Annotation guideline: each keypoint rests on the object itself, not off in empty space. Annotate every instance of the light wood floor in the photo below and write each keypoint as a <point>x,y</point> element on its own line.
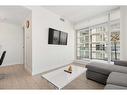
<point>15,77</point>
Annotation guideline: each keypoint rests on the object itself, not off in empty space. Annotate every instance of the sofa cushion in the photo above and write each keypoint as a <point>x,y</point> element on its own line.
<point>105,68</point>
<point>117,79</point>
<point>98,67</point>
<point>111,86</point>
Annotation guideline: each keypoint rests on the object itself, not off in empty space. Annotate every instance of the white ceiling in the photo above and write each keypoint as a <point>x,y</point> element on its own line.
<point>13,14</point>
<point>76,14</point>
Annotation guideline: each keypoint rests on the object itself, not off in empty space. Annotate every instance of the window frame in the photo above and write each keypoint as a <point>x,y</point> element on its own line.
<point>109,51</point>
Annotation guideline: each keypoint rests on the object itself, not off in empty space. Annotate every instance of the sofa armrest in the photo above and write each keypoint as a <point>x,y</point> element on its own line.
<point>117,78</point>
<point>121,63</point>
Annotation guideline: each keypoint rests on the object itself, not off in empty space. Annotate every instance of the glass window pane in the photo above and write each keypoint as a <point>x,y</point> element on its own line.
<point>98,42</point>
<point>115,40</point>
<point>83,43</point>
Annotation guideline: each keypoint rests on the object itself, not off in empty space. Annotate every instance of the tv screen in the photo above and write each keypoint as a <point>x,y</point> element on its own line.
<point>53,36</point>
<point>57,37</point>
<point>63,38</point>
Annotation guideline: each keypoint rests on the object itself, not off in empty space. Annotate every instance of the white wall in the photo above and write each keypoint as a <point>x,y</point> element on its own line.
<point>123,33</point>
<point>90,22</point>
<point>45,56</point>
<point>98,19</point>
<point>11,40</point>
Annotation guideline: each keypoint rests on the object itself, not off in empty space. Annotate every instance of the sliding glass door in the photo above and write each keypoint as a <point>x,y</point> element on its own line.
<point>83,43</point>
<point>98,36</point>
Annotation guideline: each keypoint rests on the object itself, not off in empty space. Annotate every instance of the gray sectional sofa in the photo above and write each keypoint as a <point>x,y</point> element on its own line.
<point>113,75</point>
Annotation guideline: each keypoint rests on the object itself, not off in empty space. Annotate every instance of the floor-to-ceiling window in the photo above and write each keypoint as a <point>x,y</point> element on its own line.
<point>100,41</point>
<point>83,47</point>
<point>115,40</point>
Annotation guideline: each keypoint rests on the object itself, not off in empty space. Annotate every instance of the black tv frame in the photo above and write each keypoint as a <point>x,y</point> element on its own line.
<point>57,37</point>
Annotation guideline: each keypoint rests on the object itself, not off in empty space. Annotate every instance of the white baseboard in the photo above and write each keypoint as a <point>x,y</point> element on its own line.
<point>82,61</point>
<point>86,61</point>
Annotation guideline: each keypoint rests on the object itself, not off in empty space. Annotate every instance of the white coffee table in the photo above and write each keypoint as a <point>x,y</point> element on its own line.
<point>59,78</point>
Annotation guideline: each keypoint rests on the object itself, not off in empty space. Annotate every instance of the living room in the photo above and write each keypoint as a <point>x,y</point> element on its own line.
<point>63,47</point>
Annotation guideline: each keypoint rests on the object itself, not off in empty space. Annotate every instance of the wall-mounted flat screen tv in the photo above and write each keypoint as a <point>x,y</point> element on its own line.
<point>63,38</point>
<point>57,37</point>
